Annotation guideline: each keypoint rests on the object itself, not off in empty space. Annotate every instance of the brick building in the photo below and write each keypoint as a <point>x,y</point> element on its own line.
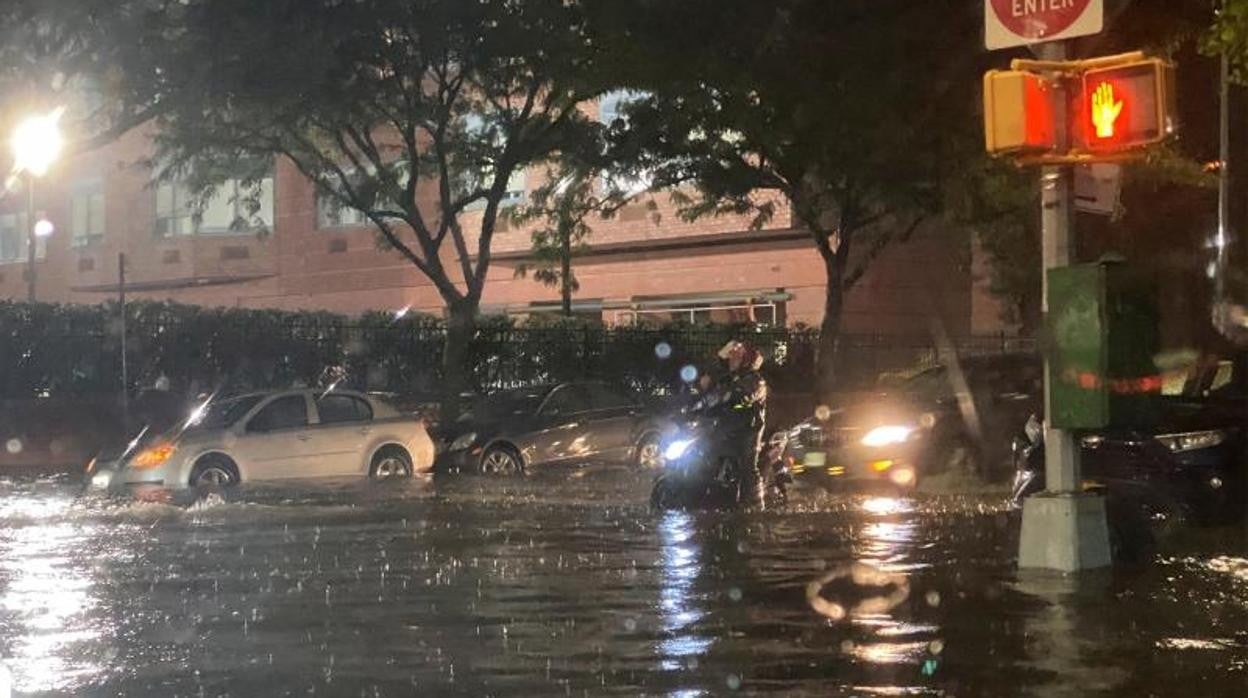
<point>641,263</point>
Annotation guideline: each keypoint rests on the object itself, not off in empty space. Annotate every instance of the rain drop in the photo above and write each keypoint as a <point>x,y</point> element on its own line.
<point>13,446</point>
<point>823,413</point>
<point>734,682</point>
<point>847,646</point>
<point>630,625</point>
<point>933,598</point>
<point>734,594</point>
<point>936,646</point>
<point>689,374</point>
<point>663,350</point>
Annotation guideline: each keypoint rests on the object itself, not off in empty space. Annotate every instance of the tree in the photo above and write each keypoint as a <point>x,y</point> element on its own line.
<point>563,212</point>
<point>847,109</point>
<point>581,189</point>
<point>1000,204</point>
<point>409,111</point>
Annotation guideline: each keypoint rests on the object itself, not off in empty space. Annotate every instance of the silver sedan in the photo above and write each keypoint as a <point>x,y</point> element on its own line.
<point>277,435</point>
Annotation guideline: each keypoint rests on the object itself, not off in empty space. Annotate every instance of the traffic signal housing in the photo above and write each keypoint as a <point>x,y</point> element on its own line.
<point>1018,113</point>
<point>1125,107</point>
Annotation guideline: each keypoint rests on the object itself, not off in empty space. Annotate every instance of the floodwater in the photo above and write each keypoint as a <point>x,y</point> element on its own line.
<point>566,584</point>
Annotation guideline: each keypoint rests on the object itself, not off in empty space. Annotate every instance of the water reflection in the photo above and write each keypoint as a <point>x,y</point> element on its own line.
<point>872,596</point>
<point>887,543</point>
<point>564,586</point>
<point>680,567</point>
<point>47,597</point>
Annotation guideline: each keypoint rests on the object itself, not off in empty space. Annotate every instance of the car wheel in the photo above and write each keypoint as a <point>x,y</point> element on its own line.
<point>390,463</point>
<point>214,471</point>
<point>649,453</point>
<point>501,461</point>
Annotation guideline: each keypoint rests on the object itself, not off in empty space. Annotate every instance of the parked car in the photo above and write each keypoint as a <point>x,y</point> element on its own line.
<point>1193,460</point>
<point>274,435</point>
<point>511,431</point>
<point>926,425</point>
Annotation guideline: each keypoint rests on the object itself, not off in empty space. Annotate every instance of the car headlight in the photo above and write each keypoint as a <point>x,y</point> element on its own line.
<point>887,435</point>
<point>102,480</point>
<point>464,441</point>
<point>676,449</point>
<point>1192,441</point>
<point>153,456</point>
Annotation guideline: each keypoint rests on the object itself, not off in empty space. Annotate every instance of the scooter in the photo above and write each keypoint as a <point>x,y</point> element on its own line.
<point>1130,516</point>
<point>1028,456</point>
<point>701,471</point>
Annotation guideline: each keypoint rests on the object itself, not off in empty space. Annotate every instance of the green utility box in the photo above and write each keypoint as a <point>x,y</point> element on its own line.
<point>1103,337</point>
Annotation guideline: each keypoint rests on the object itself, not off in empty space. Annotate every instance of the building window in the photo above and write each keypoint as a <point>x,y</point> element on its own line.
<point>611,113</point>
<point>482,176</point>
<point>225,212</point>
<point>86,204</point>
<point>332,214</point>
<point>14,237</point>
<point>173,210</point>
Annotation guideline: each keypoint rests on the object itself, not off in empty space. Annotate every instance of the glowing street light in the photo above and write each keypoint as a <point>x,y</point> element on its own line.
<point>36,143</point>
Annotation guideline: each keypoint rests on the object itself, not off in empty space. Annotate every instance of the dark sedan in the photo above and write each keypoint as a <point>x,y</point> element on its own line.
<point>944,420</point>
<point>511,431</point>
<point>1193,461</point>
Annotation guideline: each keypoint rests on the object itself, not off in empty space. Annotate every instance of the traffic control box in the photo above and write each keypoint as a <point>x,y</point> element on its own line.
<point>1018,112</point>
<point>1103,338</point>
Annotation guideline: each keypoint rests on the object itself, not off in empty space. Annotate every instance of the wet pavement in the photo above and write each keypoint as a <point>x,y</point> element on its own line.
<point>566,584</point>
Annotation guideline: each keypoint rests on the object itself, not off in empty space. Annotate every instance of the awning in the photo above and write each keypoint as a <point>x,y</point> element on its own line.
<point>170,284</point>
<point>785,237</point>
<point>709,298</point>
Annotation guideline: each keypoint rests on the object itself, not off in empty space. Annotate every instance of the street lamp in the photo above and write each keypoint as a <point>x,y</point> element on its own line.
<point>36,143</point>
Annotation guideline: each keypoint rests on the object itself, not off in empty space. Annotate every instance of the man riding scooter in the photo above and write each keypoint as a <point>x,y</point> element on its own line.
<point>743,392</point>
<point>727,421</point>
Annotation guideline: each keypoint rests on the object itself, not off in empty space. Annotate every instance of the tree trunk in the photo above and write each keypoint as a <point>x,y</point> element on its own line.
<point>565,269</point>
<point>456,371</point>
<point>830,330</point>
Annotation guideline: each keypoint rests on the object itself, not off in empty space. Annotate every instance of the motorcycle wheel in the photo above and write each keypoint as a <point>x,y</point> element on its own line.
<point>663,496</point>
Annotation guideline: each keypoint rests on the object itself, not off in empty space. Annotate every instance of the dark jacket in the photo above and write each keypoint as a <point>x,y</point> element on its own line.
<point>739,399</point>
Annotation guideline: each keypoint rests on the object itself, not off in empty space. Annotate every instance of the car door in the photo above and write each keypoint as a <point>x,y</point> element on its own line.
<point>342,433</point>
<point>561,425</point>
<point>611,421</point>
<point>276,441</point>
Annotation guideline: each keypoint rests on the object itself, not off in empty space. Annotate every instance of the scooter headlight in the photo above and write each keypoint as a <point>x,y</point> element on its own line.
<point>676,449</point>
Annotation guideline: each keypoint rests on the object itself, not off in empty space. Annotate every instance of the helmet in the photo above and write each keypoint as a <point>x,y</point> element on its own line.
<point>749,355</point>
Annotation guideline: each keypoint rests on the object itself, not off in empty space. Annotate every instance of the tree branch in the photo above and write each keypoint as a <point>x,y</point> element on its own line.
<point>115,131</point>
<point>877,247</point>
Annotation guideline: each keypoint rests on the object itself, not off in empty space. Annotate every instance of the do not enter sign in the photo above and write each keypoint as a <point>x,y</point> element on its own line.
<point>1017,22</point>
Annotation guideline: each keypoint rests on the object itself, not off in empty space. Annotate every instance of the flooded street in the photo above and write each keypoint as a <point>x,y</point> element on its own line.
<point>564,584</point>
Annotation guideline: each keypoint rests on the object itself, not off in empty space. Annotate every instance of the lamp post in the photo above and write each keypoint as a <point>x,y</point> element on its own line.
<point>36,144</point>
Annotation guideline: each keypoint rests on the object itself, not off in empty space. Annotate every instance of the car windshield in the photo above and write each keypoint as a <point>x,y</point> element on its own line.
<point>219,414</point>
<point>508,403</point>
<point>931,384</point>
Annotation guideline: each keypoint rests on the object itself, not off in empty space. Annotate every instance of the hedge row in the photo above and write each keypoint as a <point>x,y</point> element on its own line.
<point>75,350</point>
